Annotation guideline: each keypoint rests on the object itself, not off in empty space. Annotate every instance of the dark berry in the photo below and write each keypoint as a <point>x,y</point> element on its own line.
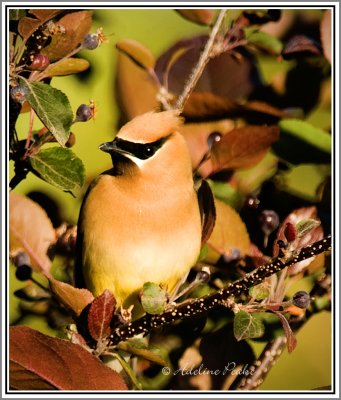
<point>269,221</point>
<point>83,113</point>
<point>251,202</point>
<point>280,244</point>
<point>90,41</point>
<point>290,232</point>
<point>203,276</point>
<point>39,62</point>
<point>23,272</point>
<point>213,138</point>
<point>301,299</point>
<point>18,93</point>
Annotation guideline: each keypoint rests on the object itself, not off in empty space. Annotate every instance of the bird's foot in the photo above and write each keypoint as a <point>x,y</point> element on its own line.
<point>203,276</point>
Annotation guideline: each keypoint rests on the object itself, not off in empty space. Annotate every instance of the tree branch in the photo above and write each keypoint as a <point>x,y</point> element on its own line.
<point>220,298</point>
<point>203,60</point>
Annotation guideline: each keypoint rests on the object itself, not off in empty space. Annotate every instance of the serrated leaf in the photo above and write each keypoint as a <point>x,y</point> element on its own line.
<point>153,298</point>
<point>139,349</point>
<point>245,326</point>
<point>59,167</point>
<point>52,107</point>
<point>265,41</point>
<point>41,362</point>
<point>137,52</point>
<point>30,230</point>
<point>68,66</point>
<point>199,16</point>
<point>100,315</point>
<point>72,298</point>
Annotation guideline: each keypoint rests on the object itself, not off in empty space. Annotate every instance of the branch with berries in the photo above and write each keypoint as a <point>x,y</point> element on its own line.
<point>222,297</point>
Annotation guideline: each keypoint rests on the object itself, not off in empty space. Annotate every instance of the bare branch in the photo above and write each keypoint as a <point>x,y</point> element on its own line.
<point>203,60</point>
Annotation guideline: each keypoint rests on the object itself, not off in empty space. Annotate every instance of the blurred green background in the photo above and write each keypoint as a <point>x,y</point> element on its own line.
<point>309,366</point>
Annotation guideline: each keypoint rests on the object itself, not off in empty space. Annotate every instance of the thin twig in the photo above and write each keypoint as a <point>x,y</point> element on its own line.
<point>203,60</point>
<point>274,349</point>
<point>220,298</point>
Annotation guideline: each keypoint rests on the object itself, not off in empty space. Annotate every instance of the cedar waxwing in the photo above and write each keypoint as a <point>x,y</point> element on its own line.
<point>141,220</point>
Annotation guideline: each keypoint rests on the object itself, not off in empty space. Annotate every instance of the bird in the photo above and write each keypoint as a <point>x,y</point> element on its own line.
<point>142,220</point>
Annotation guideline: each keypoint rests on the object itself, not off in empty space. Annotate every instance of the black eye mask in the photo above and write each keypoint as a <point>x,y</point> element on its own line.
<point>140,150</point>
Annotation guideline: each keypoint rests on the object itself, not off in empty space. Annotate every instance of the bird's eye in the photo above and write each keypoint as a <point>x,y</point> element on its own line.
<point>148,151</point>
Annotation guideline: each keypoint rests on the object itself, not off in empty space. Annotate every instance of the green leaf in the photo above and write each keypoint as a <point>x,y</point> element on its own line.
<point>59,167</point>
<point>301,142</point>
<point>52,107</point>
<point>304,180</point>
<point>259,292</point>
<point>245,326</point>
<point>264,41</point>
<point>305,226</point>
<point>307,132</point>
<point>139,349</point>
<point>16,14</point>
<point>153,298</point>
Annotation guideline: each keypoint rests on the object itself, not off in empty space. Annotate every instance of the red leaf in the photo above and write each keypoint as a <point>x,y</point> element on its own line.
<point>40,362</point>
<point>100,314</point>
<point>289,334</point>
<point>28,25</point>
<point>301,45</point>
<point>243,147</point>
<point>72,298</point>
<point>313,236</point>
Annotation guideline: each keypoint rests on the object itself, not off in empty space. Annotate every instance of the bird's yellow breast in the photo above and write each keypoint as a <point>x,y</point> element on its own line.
<point>135,234</point>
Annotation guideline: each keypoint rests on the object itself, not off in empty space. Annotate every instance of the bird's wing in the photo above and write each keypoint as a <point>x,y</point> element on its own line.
<point>207,210</point>
<point>78,270</point>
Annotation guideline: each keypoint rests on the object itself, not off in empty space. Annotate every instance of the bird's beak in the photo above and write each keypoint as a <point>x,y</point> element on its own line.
<point>111,147</point>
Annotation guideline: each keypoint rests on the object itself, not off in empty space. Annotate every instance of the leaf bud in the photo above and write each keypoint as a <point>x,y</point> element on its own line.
<point>290,232</point>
